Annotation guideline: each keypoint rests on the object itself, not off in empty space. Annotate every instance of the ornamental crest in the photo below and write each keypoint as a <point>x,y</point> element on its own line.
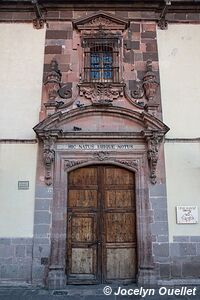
<point>101,93</point>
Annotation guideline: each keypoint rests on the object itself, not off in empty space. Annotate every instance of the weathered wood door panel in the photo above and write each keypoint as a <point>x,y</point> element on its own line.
<point>101,229</point>
<point>83,224</point>
<point>119,244</point>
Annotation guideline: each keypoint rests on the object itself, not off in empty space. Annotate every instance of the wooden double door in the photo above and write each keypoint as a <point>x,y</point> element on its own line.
<point>101,225</point>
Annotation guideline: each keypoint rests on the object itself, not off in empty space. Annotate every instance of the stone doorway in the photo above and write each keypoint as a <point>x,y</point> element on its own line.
<point>101,225</point>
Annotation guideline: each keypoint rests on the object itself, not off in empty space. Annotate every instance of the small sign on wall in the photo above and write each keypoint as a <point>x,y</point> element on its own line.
<point>23,185</point>
<point>187,214</point>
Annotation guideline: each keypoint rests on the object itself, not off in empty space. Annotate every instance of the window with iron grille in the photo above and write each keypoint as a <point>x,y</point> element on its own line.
<point>101,59</point>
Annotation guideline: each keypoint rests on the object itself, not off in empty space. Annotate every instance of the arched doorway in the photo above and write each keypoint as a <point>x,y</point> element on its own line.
<point>101,225</point>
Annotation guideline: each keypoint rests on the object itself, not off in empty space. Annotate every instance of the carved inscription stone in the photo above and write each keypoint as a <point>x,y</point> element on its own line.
<point>95,147</point>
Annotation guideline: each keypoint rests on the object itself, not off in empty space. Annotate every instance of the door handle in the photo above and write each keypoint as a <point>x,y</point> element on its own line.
<point>94,243</point>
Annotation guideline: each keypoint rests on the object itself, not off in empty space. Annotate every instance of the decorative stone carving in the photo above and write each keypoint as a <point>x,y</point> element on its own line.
<point>38,23</point>
<point>100,20</point>
<point>102,155</point>
<point>53,80</point>
<point>64,92</point>
<point>72,163</point>
<point>101,93</point>
<point>150,84</point>
<point>154,139</point>
<point>48,156</point>
<point>162,22</point>
<point>130,163</point>
<point>54,85</point>
<point>139,92</point>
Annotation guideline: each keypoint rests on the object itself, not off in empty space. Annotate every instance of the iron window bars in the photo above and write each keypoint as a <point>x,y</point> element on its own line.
<point>101,59</point>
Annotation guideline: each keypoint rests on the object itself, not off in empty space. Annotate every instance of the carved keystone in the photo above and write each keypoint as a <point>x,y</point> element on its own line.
<point>102,155</point>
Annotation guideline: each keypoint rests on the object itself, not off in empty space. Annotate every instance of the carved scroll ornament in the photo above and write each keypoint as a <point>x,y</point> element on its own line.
<point>130,163</point>
<point>72,163</point>
<point>101,21</point>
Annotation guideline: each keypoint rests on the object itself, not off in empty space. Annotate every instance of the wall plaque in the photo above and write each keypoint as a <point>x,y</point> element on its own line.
<point>95,147</point>
<point>187,214</point>
<point>23,185</point>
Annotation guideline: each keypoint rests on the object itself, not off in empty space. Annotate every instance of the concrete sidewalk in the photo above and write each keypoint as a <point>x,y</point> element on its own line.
<point>96,292</point>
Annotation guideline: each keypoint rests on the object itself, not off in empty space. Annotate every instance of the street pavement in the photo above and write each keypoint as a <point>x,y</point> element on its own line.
<point>28,292</point>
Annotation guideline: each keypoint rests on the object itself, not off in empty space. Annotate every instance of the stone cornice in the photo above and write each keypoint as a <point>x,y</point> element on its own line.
<point>146,5</point>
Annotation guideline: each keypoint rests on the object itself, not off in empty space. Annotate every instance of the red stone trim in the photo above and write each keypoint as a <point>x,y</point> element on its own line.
<point>62,14</point>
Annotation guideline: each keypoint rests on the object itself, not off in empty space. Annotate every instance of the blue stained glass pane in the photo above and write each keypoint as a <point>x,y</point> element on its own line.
<point>95,66</point>
<point>107,58</point>
<point>95,58</point>
<point>107,75</point>
<point>95,75</point>
<point>101,65</point>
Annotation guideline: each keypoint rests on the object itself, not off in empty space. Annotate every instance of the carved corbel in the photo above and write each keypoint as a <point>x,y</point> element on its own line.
<point>39,21</point>
<point>162,22</point>
<point>49,156</point>
<point>154,141</point>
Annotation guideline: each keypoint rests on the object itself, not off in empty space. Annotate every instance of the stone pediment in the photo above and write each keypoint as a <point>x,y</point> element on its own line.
<point>100,120</point>
<point>100,20</point>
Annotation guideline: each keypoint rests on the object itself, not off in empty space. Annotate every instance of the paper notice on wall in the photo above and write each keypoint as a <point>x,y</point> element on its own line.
<point>187,214</point>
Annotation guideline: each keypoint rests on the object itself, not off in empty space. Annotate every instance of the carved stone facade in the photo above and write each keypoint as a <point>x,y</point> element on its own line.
<point>85,122</point>
<point>101,124</point>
